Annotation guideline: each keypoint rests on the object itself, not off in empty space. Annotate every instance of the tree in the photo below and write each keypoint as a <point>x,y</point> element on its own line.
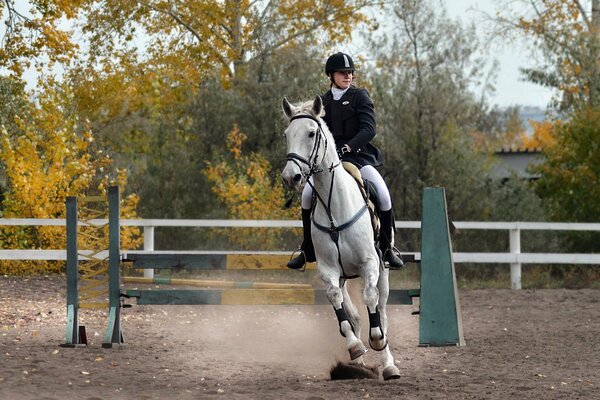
<point>204,34</point>
<point>567,32</point>
<point>426,109</point>
<point>13,101</point>
<point>500,128</point>
<point>434,130</point>
<point>35,35</point>
<point>543,135</point>
<point>49,155</point>
<point>243,184</point>
<point>570,174</point>
<point>164,135</point>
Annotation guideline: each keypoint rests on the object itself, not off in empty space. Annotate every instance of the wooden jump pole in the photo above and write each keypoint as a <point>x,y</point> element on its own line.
<point>215,284</point>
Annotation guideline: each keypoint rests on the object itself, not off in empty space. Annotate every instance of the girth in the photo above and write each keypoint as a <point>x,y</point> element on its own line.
<point>334,231</point>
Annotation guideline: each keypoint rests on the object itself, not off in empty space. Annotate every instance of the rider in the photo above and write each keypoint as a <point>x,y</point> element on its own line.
<point>350,116</point>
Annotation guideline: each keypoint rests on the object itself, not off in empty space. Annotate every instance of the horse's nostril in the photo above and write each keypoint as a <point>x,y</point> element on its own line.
<point>297,177</point>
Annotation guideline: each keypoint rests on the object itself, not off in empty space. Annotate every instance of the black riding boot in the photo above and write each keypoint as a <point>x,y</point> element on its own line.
<point>385,239</point>
<point>307,250</point>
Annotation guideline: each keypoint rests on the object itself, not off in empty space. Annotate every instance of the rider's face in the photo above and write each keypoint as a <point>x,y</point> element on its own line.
<point>342,79</point>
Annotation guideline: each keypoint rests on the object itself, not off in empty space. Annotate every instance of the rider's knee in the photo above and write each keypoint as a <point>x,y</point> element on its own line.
<point>307,195</point>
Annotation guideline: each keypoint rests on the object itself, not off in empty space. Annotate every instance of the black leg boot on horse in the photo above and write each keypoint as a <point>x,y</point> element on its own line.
<point>307,250</point>
<point>386,244</point>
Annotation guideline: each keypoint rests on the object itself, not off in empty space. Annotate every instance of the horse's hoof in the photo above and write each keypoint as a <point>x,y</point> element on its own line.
<point>357,350</point>
<point>391,372</point>
<point>374,344</point>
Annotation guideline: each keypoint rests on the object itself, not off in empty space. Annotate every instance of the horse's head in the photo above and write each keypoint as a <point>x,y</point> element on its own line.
<point>306,142</point>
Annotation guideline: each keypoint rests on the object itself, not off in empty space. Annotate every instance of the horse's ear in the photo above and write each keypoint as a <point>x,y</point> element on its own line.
<point>317,107</point>
<point>288,109</point>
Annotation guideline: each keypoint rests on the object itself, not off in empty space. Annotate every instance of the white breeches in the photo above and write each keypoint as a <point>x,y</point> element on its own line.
<point>369,173</point>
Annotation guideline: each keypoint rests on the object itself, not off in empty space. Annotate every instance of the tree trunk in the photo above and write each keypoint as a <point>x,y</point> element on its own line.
<point>596,34</point>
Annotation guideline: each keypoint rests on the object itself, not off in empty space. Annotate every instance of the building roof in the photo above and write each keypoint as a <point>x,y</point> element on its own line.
<point>518,150</point>
<point>510,162</point>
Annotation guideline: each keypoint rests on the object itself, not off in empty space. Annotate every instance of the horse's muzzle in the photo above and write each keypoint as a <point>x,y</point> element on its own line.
<point>293,177</point>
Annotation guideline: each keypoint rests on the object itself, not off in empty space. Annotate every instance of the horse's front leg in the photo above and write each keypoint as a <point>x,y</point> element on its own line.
<point>355,346</point>
<point>377,337</point>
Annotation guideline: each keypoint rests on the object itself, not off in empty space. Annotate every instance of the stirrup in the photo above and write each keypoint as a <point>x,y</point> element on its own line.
<point>394,252</point>
<point>292,258</point>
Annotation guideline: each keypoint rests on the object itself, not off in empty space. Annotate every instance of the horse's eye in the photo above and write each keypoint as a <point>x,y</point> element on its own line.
<point>311,134</point>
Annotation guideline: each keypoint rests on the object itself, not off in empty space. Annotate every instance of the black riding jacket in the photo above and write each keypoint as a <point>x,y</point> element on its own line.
<point>351,120</point>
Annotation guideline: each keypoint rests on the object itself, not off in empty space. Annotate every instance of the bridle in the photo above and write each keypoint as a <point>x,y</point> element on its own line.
<point>311,162</point>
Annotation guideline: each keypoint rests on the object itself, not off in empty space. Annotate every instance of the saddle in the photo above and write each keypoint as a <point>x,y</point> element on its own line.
<point>369,193</point>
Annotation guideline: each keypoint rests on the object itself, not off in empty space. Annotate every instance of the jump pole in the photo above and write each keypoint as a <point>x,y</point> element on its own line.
<point>204,283</point>
<point>440,322</point>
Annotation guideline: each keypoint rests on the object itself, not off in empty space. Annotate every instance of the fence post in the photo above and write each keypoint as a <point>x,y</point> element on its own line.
<point>148,246</point>
<point>515,268</point>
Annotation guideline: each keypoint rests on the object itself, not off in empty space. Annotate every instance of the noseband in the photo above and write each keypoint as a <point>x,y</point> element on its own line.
<point>311,162</point>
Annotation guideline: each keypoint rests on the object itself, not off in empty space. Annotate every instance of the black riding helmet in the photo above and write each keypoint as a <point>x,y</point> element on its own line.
<point>339,62</point>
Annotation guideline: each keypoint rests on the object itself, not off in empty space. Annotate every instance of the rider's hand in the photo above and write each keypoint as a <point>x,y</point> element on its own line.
<point>343,150</point>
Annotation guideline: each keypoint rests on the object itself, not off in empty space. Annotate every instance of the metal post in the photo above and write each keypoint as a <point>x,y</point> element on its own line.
<point>515,268</point>
<point>113,332</point>
<point>148,246</point>
<point>73,337</point>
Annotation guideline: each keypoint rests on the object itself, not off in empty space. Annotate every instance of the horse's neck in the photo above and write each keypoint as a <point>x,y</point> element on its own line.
<point>322,180</point>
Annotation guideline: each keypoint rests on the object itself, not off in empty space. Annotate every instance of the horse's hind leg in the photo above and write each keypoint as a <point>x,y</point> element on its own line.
<point>390,371</point>
<point>334,293</point>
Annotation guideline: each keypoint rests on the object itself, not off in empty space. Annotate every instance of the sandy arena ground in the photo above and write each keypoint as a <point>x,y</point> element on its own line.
<point>542,344</point>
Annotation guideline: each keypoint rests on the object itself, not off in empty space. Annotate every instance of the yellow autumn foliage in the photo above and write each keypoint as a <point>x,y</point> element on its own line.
<point>50,156</point>
<point>243,184</point>
<point>543,135</point>
<point>33,32</point>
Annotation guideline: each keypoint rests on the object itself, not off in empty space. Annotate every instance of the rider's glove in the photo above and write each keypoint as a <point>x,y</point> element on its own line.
<point>343,150</point>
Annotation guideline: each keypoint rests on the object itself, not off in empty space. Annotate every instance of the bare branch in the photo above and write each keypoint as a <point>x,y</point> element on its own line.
<point>191,30</point>
<point>584,15</point>
<point>315,25</point>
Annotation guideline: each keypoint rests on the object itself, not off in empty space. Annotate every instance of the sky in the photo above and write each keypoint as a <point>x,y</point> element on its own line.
<point>510,87</point>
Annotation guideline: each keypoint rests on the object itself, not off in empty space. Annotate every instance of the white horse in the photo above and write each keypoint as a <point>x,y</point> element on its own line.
<point>343,239</point>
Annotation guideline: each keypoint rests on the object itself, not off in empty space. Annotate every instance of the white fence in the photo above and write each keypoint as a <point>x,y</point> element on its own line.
<point>514,257</point>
